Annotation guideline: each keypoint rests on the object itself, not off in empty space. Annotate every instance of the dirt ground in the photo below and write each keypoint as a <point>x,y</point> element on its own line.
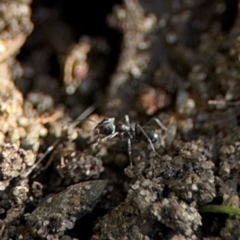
<point>177,61</point>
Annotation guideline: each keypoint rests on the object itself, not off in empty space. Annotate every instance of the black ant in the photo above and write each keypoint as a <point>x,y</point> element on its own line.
<point>109,129</point>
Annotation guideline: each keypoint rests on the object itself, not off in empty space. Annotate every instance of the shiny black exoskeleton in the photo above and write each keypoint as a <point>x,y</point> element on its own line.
<point>108,129</point>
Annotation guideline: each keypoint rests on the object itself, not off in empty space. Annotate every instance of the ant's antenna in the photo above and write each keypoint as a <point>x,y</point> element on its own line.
<point>80,118</point>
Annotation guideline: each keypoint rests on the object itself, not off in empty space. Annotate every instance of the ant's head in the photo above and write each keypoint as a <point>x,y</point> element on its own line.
<point>106,127</point>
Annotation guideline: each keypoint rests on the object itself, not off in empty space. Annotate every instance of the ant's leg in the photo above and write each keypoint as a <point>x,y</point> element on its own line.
<point>130,151</point>
<point>148,139</point>
<point>127,121</point>
<point>159,123</point>
<point>100,140</point>
<point>162,126</point>
<point>109,137</point>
